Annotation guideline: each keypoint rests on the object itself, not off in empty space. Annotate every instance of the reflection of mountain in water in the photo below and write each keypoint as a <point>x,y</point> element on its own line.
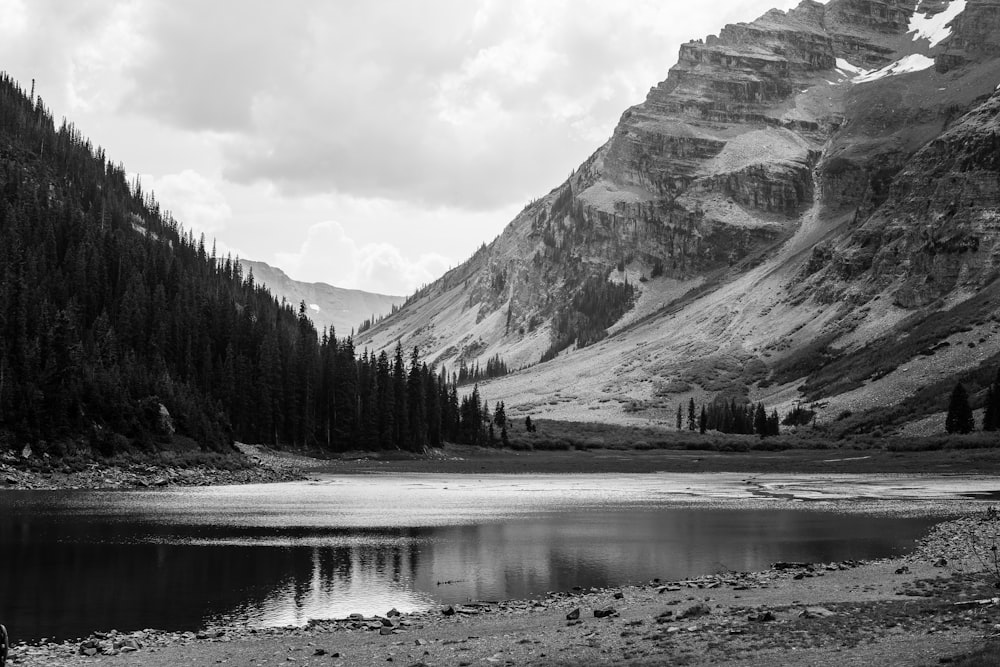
<point>67,572</point>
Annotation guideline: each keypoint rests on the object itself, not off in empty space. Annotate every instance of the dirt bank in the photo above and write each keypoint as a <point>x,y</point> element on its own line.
<point>256,465</point>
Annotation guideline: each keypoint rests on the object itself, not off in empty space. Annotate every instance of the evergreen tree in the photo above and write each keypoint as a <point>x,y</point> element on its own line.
<point>990,414</point>
<point>417,405</point>
<point>692,416</point>
<point>401,415</point>
<point>960,418</point>
<point>679,416</point>
<point>760,421</point>
<point>528,426</point>
<point>703,420</point>
<point>500,415</point>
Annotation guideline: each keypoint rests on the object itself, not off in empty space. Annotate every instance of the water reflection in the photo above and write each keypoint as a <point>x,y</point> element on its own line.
<point>282,554</point>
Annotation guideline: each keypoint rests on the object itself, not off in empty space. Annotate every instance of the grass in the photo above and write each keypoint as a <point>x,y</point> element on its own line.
<point>552,435</point>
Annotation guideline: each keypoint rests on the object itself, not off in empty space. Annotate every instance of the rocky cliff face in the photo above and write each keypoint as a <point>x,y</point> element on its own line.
<point>785,174</point>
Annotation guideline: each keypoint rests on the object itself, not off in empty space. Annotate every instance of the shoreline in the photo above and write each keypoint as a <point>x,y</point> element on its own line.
<point>265,465</point>
<point>911,609</point>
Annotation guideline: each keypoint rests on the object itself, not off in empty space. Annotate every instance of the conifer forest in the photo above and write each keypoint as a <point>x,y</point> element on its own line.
<point>122,332</point>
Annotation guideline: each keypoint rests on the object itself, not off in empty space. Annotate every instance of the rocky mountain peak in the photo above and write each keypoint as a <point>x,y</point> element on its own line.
<point>785,171</point>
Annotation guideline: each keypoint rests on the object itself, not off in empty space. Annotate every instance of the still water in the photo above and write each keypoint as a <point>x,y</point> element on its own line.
<point>279,554</point>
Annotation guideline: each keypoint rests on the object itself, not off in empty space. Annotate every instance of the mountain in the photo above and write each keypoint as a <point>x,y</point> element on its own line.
<point>805,210</point>
<point>329,306</point>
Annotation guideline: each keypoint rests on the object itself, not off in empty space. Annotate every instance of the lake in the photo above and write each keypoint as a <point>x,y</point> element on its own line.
<point>279,554</point>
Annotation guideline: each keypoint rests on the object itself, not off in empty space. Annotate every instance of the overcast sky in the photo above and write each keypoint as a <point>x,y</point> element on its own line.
<point>366,144</point>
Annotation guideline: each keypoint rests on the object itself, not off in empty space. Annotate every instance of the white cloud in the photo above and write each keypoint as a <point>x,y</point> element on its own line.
<point>194,200</point>
<point>444,103</point>
<point>13,18</point>
<point>95,75</point>
<point>329,255</point>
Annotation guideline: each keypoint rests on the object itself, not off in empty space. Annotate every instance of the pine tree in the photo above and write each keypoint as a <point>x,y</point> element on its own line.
<point>703,420</point>
<point>417,404</point>
<point>760,421</point>
<point>990,414</point>
<point>528,426</point>
<point>959,419</point>
<point>692,416</point>
<point>679,416</point>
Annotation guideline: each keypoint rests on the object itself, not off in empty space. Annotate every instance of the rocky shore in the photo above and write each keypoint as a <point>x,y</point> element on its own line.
<point>258,465</point>
<point>937,603</point>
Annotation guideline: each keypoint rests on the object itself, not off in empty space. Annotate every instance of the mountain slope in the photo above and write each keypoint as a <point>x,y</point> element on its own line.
<point>329,306</point>
<point>766,204</point>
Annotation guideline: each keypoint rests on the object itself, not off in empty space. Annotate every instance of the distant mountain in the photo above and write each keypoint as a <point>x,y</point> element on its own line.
<point>343,309</point>
<point>805,210</point>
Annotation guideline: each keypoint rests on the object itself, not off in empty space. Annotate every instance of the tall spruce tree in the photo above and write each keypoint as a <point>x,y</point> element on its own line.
<point>959,419</point>
<point>417,404</point>
<point>760,421</point>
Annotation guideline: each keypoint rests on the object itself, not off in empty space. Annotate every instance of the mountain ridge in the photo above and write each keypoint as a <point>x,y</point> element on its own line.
<point>752,168</point>
<point>328,306</point>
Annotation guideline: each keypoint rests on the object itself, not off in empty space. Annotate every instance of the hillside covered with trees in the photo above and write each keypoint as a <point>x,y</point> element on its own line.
<point>122,332</point>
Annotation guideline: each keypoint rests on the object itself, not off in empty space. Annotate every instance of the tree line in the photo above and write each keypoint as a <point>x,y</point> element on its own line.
<point>960,417</point>
<point>120,331</point>
<point>495,367</point>
<point>729,417</point>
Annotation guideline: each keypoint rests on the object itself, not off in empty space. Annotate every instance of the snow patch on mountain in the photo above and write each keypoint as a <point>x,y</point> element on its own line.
<point>935,27</point>
<point>914,62</point>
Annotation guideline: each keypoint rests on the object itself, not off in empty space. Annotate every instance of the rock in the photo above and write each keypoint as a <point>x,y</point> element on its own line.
<point>573,615</point>
<point>816,612</point>
<point>604,613</point>
<point>10,479</point>
<point>761,616</point>
<point>319,651</point>
<point>619,595</point>
<point>386,630</point>
<point>448,611</point>
<point>941,562</point>
<point>393,612</point>
<point>694,611</point>
<point>903,570</point>
<point>386,622</point>
<point>89,652</point>
<point>26,452</point>
<point>783,565</point>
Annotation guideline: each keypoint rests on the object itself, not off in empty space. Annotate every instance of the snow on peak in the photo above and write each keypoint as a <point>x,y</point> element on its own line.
<point>935,27</point>
<point>911,63</point>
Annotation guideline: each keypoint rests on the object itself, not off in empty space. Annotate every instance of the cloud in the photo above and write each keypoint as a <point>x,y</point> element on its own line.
<point>454,103</point>
<point>329,255</point>
<point>13,18</point>
<point>193,200</point>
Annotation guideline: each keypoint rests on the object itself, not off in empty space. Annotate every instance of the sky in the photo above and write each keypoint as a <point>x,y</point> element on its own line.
<point>370,145</point>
